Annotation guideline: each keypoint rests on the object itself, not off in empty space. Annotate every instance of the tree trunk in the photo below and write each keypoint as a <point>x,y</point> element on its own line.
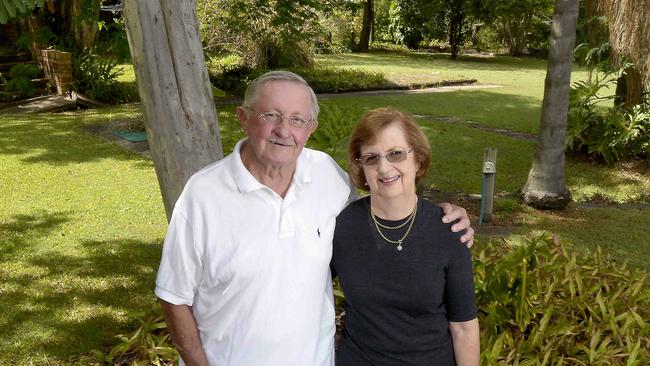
<point>629,89</point>
<point>545,187</point>
<point>366,28</point>
<point>456,20</point>
<point>179,112</point>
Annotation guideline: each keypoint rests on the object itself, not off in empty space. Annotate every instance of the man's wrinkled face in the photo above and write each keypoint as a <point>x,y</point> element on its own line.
<point>277,144</point>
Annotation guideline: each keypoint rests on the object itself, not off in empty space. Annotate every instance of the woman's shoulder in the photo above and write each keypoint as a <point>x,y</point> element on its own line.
<point>356,208</point>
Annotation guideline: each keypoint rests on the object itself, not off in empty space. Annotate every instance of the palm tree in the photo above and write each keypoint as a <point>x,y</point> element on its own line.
<point>629,36</point>
<point>545,187</point>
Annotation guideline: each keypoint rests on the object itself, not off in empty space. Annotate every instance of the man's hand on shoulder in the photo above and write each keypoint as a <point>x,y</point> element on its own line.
<point>453,212</point>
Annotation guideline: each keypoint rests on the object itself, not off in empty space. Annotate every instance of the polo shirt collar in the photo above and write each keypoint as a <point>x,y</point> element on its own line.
<point>246,182</point>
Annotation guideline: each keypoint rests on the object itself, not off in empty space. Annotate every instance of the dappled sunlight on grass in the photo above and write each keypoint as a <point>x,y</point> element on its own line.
<point>81,225</point>
<point>617,183</point>
<point>622,233</point>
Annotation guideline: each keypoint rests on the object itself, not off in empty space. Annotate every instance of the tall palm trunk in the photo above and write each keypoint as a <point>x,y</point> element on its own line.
<point>545,187</point>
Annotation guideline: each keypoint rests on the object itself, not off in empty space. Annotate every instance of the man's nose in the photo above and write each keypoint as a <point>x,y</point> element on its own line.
<point>282,128</point>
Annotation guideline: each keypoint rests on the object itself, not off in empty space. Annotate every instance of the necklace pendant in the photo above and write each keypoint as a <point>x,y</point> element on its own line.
<point>399,245</point>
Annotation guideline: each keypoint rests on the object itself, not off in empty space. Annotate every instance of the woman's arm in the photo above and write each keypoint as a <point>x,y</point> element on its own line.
<point>465,336</point>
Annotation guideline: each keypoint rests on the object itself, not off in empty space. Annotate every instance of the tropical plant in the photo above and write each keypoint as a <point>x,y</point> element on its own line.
<point>539,304</point>
<point>96,76</point>
<point>605,134</point>
<point>150,343</point>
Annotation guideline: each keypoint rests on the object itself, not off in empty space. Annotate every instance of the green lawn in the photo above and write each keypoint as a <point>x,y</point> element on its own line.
<point>80,229</point>
<point>81,220</point>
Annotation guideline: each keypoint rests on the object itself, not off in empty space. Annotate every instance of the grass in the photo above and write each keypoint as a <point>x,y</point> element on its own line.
<point>81,220</point>
<point>80,235</point>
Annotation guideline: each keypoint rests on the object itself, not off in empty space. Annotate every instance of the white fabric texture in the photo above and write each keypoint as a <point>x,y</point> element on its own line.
<point>255,267</point>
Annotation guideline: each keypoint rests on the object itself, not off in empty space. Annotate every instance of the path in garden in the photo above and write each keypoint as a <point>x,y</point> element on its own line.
<point>499,228</point>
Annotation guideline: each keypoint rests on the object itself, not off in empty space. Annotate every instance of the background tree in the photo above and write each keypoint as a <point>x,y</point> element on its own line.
<point>264,33</point>
<point>545,187</point>
<point>366,26</point>
<point>629,36</point>
<point>516,19</point>
<point>179,112</point>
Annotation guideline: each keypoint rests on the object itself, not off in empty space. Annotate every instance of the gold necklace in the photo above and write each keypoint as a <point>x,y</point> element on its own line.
<point>410,220</point>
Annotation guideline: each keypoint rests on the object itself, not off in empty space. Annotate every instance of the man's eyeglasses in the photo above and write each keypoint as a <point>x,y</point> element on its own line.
<point>294,121</point>
<point>393,156</point>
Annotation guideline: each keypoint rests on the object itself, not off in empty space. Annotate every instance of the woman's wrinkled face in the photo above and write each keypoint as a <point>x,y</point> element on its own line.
<point>387,179</point>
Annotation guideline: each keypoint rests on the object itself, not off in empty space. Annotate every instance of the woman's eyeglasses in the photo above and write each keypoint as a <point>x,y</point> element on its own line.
<point>392,156</point>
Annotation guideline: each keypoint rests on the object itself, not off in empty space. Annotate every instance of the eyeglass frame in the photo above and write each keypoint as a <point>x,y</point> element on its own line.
<point>384,155</point>
<point>265,115</point>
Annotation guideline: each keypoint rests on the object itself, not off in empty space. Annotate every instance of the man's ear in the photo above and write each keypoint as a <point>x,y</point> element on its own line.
<point>242,115</point>
<point>312,127</point>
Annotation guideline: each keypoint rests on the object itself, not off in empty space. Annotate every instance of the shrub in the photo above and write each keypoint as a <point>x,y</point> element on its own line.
<point>538,304</point>
<point>322,78</point>
<point>96,76</point>
<point>221,64</point>
<point>330,79</point>
<point>20,80</point>
<point>606,134</point>
<point>235,80</point>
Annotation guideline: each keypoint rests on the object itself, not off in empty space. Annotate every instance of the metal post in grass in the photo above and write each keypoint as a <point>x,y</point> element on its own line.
<point>487,188</point>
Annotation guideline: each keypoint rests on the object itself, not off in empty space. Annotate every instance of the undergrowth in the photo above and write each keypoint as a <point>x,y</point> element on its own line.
<point>539,304</point>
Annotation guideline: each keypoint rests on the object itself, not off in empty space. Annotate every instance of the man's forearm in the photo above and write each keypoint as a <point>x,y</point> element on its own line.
<point>184,333</point>
<point>465,336</point>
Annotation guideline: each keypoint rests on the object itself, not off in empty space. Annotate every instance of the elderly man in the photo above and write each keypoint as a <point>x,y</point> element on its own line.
<point>244,277</point>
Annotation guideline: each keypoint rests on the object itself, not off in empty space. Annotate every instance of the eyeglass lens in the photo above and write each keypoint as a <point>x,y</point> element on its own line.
<point>393,156</point>
<point>277,118</point>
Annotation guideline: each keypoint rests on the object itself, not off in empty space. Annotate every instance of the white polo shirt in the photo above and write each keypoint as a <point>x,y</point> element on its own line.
<point>255,267</point>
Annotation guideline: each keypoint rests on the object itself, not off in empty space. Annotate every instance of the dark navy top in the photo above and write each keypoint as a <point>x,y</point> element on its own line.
<point>398,303</point>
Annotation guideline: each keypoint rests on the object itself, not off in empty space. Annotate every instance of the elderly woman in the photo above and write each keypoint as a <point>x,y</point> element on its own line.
<point>409,292</point>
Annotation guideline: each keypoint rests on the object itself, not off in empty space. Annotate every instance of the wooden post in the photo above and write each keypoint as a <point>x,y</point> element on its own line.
<point>180,116</point>
<point>487,193</point>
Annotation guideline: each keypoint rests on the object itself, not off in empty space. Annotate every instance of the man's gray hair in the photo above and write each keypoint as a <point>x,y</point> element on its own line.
<point>253,90</point>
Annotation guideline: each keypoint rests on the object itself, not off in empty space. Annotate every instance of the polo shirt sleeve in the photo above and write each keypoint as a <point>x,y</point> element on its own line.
<point>180,266</point>
<point>459,285</point>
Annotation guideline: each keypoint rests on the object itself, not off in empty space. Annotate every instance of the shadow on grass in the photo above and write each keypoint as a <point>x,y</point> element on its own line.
<point>57,139</point>
<point>23,230</point>
<point>77,303</point>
